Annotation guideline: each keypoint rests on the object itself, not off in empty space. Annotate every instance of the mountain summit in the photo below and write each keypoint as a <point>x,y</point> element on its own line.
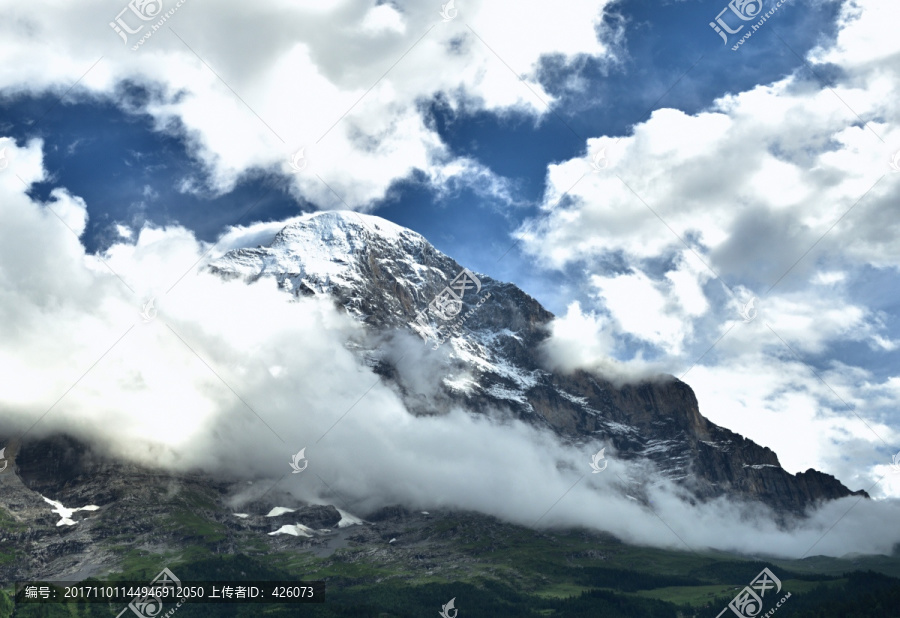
<point>392,279</point>
<point>68,507</point>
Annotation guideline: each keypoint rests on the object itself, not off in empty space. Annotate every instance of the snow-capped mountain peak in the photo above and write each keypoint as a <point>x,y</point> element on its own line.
<point>388,276</point>
<point>319,248</point>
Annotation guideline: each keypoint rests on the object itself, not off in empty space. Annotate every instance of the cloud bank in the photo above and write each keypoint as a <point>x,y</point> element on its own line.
<point>233,379</point>
<point>248,86</point>
<point>785,195</point>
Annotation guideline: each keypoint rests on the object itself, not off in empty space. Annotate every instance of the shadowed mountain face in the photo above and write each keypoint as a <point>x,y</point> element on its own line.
<point>70,511</point>
<point>488,336</point>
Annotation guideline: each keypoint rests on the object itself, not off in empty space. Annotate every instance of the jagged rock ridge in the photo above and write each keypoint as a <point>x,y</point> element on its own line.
<point>386,275</point>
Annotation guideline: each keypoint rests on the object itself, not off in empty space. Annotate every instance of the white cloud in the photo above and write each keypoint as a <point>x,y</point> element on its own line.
<point>589,341</point>
<point>829,277</point>
<point>655,311</point>
<point>866,41</point>
<point>778,403</point>
<point>124,231</point>
<point>885,344</point>
<point>639,308</point>
<point>345,80</point>
<point>750,185</point>
<point>383,18</point>
<point>235,378</point>
<point>163,395</point>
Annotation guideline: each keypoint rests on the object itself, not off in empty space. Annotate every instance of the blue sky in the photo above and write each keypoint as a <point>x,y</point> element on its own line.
<point>109,153</point>
<point>725,168</point>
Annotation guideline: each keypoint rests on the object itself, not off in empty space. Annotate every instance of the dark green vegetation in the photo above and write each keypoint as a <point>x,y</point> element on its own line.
<point>859,594</point>
<point>492,569</point>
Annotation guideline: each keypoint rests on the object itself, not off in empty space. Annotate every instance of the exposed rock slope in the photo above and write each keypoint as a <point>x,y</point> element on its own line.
<point>386,276</point>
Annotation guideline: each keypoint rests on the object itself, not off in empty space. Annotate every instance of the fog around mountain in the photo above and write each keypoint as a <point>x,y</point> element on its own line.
<point>233,379</point>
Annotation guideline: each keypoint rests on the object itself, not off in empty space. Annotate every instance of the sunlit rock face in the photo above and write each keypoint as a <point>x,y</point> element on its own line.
<point>389,277</point>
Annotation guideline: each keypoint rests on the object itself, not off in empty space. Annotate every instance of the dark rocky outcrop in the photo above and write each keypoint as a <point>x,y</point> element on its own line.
<point>388,276</point>
<point>385,277</point>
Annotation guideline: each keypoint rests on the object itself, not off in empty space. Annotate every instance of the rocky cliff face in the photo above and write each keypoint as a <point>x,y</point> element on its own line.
<point>146,517</point>
<point>386,277</point>
<point>392,279</point>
